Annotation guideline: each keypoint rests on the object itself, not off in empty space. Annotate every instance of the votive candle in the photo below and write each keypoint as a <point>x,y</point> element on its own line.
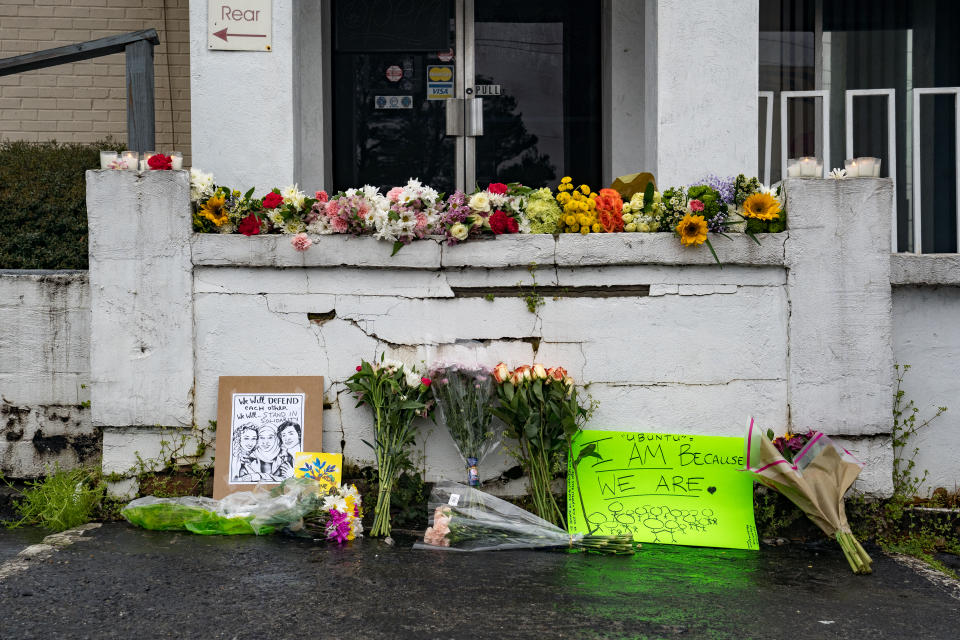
<point>793,168</point>
<point>130,158</point>
<point>106,157</point>
<point>176,161</point>
<point>852,167</point>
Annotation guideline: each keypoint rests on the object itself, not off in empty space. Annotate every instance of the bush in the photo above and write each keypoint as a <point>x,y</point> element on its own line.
<point>61,501</point>
<point>43,204</point>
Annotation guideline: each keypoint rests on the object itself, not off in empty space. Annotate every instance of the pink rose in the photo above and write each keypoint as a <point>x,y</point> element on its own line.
<point>394,194</point>
<point>301,242</point>
<point>695,205</point>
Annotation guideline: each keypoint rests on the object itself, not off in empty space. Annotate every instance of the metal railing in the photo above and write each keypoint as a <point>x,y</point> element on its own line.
<point>138,49</point>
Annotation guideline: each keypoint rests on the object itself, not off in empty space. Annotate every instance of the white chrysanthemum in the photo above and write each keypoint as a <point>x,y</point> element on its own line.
<point>497,200</point>
<point>201,184</point>
<point>413,184</point>
<point>294,227</point>
<point>427,194</point>
<point>391,365</point>
<point>480,201</point>
<point>319,227</point>
<point>227,228</point>
<point>293,195</point>
<point>276,217</point>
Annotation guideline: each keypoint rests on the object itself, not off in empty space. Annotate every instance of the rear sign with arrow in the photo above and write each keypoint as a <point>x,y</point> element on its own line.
<point>239,25</point>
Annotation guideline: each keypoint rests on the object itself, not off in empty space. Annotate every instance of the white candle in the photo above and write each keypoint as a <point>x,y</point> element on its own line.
<point>130,159</point>
<point>819,172</point>
<point>852,167</point>
<point>876,167</point>
<point>866,167</point>
<point>808,167</point>
<point>176,160</point>
<point>106,157</point>
<point>793,168</point>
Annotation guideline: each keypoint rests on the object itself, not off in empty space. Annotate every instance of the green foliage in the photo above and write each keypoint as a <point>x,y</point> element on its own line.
<point>532,297</point>
<point>905,483</point>
<point>62,500</point>
<point>178,469</point>
<point>43,204</point>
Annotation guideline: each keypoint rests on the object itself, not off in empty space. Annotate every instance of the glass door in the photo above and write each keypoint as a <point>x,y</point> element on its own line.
<point>461,93</point>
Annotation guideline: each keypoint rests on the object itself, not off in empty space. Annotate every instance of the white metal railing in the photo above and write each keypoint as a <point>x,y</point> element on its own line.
<point>891,158</point>
<point>767,97</point>
<point>917,218</point>
<point>824,96</point>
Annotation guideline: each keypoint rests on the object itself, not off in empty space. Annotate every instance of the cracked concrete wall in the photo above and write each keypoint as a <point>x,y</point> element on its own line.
<point>44,372</point>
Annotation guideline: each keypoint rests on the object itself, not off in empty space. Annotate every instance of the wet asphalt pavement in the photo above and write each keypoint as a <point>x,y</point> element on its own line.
<point>128,583</point>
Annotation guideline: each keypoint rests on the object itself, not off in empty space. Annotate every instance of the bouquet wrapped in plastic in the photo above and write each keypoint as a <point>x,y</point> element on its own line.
<point>466,519</point>
<point>464,396</point>
<point>258,512</point>
<point>814,473</point>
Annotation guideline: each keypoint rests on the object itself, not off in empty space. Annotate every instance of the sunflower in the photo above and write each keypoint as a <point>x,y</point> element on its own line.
<point>692,230</point>
<point>761,206</point>
<point>214,211</point>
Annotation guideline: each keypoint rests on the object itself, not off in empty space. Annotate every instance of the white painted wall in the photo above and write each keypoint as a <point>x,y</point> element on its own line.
<point>242,105</point>
<point>44,372</point>
<point>707,78</point>
<point>926,336</point>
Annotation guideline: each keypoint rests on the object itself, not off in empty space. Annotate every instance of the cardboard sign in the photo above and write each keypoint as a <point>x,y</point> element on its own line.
<point>262,423</point>
<point>239,25</point>
<point>325,468</point>
<point>665,488</point>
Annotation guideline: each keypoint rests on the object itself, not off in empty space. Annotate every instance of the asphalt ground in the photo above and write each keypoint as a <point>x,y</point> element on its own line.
<point>124,582</point>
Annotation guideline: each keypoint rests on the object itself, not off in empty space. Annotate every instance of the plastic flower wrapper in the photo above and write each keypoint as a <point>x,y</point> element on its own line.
<point>815,480</point>
<point>337,519</point>
<point>464,395</point>
<point>258,512</point>
<point>466,519</point>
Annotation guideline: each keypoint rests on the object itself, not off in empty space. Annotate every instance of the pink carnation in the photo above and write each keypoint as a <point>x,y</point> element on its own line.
<point>363,210</point>
<point>339,224</point>
<point>421,221</point>
<point>322,196</point>
<point>695,205</point>
<point>394,194</point>
<point>332,208</point>
<point>301,242</point>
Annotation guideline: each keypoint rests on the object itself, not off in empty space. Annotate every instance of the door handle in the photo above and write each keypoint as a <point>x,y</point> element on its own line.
<point>473,116</point>
<point>454,116</point>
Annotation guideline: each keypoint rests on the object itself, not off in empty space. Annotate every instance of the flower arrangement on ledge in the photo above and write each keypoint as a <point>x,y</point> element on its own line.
<point>416,212</point>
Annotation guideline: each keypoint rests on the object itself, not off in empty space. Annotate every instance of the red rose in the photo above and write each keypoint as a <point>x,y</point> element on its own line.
<point>359,368</point>
<point>497,187</point>
<point>160,161</point>
<point>425,381</point>
<point>272,200</point>
<point>249,226</point>
<point>500,222</point>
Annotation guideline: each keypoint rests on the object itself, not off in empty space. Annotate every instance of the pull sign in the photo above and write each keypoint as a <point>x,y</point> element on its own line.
<point>488,89</point>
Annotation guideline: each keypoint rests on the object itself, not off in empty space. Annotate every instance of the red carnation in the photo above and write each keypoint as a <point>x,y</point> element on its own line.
<point>425,381</point>
<point>249,226</point>
<point>500,222</point>
<point>497,187</point>
<point>272,200</point>
<point>160,161</point>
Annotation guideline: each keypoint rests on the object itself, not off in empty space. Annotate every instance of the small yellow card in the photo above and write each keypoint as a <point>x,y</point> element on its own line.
<point>322,467</point>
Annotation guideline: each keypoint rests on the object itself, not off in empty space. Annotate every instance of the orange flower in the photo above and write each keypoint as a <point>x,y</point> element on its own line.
<point>610,210</point>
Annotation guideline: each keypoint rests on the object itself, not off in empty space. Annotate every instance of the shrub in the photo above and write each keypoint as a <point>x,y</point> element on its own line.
<point>43,204</point>
<point>61,501</point>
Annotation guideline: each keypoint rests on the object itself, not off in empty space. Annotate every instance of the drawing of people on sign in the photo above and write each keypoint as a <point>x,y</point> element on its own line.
<point>266,433</point>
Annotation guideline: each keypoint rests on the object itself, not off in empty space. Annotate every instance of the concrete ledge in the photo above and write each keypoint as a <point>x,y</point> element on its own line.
<point>930,269</point>
<point>569,250</point>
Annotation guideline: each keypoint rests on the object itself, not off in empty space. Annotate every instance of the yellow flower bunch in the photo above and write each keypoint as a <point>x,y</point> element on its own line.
<point>579,207</point>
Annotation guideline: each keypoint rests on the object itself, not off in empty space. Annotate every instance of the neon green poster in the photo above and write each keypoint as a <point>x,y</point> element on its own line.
<point>665,488</point>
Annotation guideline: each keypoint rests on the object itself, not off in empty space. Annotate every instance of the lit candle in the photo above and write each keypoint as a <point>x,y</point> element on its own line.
<point>876,167</point>
<point>793,168</point>
<point>176,160</point>
<point>130,159</point>
<point>808,167</point>
<point>853,169</point>
<point>866,167</point>
<point>106,157</point>
<point>145,160</point>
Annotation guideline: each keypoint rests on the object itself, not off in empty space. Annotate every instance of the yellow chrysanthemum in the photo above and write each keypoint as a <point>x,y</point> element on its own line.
<point>692,230</point>
<point>584,189</point>
<point>761,206</point>
<point>574,228</point>
<point>570,220</point>
<point>596,228</point>
<point>565,179</point>
<point>584,230</point>
<point>214,211</point>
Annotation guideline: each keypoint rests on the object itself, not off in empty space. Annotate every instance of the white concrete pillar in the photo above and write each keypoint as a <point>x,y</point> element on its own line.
<point>840,328</point>
<point>141,284</point>
<point>707,70</point>
<point>242,105</point>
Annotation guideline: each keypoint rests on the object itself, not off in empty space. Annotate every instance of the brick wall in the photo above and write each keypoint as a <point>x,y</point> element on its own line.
<point>86,101</point>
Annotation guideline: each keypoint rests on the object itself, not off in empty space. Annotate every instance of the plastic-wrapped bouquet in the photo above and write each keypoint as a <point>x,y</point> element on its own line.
<point>396,394</point>
<point>466,519</point>
<point>338,519</point>
<point>464,396</point>
<point>814,473</point>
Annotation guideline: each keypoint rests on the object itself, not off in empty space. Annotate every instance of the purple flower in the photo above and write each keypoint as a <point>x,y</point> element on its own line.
<point>796,443</point>
<point>723,185</point>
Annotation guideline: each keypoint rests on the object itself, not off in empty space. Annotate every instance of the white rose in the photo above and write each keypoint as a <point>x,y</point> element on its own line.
<point>412,379</point>
<point>459,231</point>
<point>480,202</point>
